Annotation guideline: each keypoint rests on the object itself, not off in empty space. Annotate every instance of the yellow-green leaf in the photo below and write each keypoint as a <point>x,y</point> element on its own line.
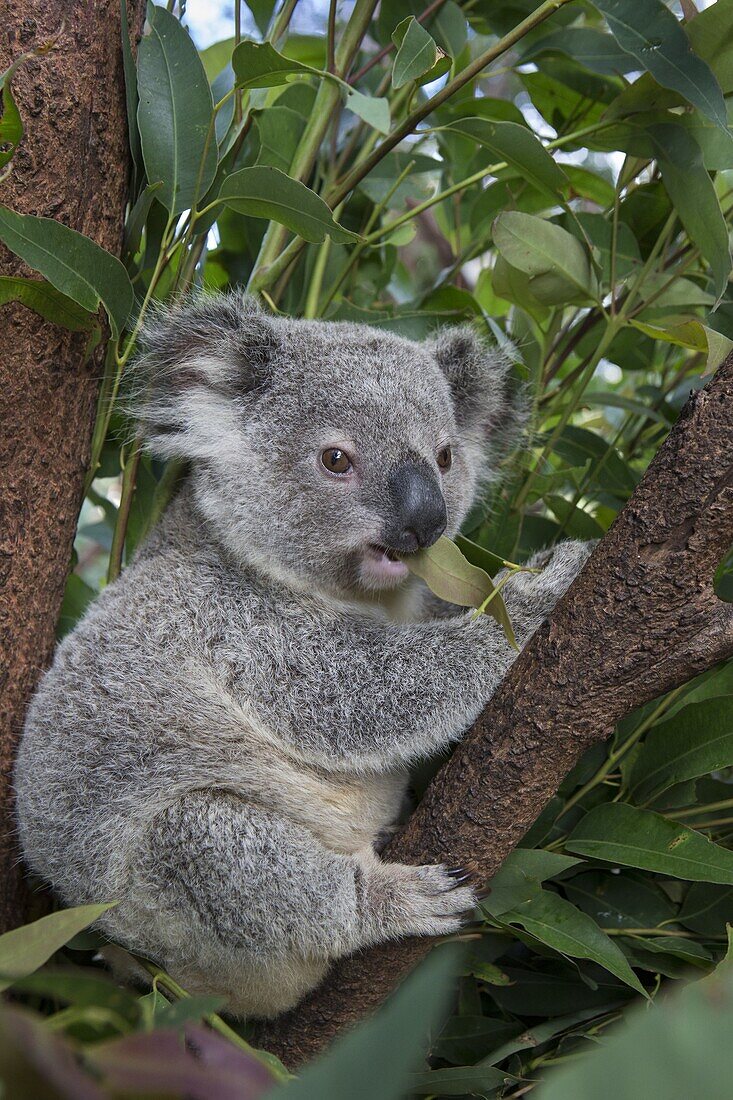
<point>451,577</point>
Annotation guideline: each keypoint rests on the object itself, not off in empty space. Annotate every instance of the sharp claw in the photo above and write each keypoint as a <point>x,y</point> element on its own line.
<point>454,872</point>
<point>457,882</point>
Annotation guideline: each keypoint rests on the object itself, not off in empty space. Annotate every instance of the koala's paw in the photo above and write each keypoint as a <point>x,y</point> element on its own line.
<point>431,901</point>
<point>560,566</point>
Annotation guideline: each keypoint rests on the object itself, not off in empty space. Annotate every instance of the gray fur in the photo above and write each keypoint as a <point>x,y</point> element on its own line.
<point>227,732</point>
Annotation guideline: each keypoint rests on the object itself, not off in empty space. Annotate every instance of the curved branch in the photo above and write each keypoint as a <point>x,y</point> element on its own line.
<point>640,619</point>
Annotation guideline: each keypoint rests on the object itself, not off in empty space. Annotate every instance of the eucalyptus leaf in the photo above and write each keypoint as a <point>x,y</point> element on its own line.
<point>416,53</point>
<point>399,1032</point>
<point>649,31</point>
<point>619,833</point>
<point>266,192</point>
<point>48,302</point>
<point>11,126</point>
<point>678,1049</point>
<point>541,249</point>
<point>697,740</point>
<point>598,51</point>
<point>519,147</point>
<point>448,28</point>
<point>259,65</point>
<point>707,909</point>
<point>460,1081</point>
<point>216,57</point>
<point>691,190</point>
<point>557,923</point>
<point>452,578</point>
<point>373,110</point>
<point>175,114</point>
<point>72,263</point>
<point>520,876</point>
<point>24,949</point>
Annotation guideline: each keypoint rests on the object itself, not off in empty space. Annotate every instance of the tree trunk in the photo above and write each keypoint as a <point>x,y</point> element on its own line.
<point>641,619</point>
<point>72,165</point>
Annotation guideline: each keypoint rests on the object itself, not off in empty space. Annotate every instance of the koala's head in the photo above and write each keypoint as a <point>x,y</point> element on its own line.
<point>322,451</point>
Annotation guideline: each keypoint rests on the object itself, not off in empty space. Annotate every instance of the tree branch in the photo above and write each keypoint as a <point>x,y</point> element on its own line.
<point>71,165</point>
<point>641,619</point>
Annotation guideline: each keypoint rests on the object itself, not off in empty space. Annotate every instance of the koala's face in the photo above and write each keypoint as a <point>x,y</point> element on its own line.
<point>324,451</point>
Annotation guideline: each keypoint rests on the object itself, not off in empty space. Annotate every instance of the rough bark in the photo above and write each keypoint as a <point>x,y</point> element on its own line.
<point>72,165</point>
<point>641,619</point>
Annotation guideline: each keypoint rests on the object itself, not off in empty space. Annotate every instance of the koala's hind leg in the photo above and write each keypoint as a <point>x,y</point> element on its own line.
<point>235,900</point>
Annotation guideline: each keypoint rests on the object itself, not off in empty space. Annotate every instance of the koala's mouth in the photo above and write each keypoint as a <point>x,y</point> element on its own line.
<point>382,565</point>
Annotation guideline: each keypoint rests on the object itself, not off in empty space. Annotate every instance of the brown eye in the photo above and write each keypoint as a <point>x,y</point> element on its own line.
<point>444,458</point>
<point>336,461</point>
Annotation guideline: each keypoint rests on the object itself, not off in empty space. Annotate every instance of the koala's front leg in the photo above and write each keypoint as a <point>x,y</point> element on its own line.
<point>531,597</point>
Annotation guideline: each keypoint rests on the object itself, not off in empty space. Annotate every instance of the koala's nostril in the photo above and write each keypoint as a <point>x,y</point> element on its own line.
<point>410,541</point>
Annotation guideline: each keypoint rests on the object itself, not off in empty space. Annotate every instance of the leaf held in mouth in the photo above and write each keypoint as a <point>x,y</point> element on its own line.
<point>453,578</point>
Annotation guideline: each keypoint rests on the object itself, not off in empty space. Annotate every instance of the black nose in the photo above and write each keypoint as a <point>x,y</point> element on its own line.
<point>418,516</point>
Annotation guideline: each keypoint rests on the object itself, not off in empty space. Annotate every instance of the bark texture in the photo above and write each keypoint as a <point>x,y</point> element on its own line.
<point>641,619</point>
<point>72,165</point>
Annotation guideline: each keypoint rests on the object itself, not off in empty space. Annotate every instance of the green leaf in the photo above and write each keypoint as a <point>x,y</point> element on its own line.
<point>216,57</point>
<point>519,147</point>
<point>175,114</point>
<point>45,300</point>
<point>698,740</point>
<point>448,28</point>
<point>691,190</point>
<point>590,185</point>
<point>693,335</point>
<point>279,130</point>
<point>465,1039</point>
<point>707,909</point>
<point>187,1010</point>
<point>372,109</point>
<point>556,922</point>
<point>648,31</point>
<point>479,555</point>
<point>619,901</point>
<point>11,126</point>
<point>577,522</point>
<point>264,192</point>
<point>594,49</point>
<point>24,949</point>
<point>619,833</point>
<point>618,401</point>
<point>262,11</point>
<point>452,578</point>
<point>519,878</point>
<point>460,1081</point>
<point>131,94</point>
<point>81,986</point>
<point>77,597</point>
<point>677,1049</point>
<point>416,53</point>
<point>514,286</point>
<point>541,249</point>
<point>74,264</point>
<point>259,65</point>
<point>399,1033</point>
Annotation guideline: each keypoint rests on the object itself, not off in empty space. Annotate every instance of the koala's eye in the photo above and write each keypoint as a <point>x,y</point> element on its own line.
<point>444,458</point>
<point>336,461</point>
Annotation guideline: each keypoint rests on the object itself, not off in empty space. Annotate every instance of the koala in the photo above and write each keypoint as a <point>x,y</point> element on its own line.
<point>229,729</point>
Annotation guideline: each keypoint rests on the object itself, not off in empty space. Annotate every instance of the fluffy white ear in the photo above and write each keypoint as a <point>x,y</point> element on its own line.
<point>201,365</point>
<point>488,401</point>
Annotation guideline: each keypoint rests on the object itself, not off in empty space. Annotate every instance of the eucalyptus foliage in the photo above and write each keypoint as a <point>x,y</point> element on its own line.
<point>561,177</point>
